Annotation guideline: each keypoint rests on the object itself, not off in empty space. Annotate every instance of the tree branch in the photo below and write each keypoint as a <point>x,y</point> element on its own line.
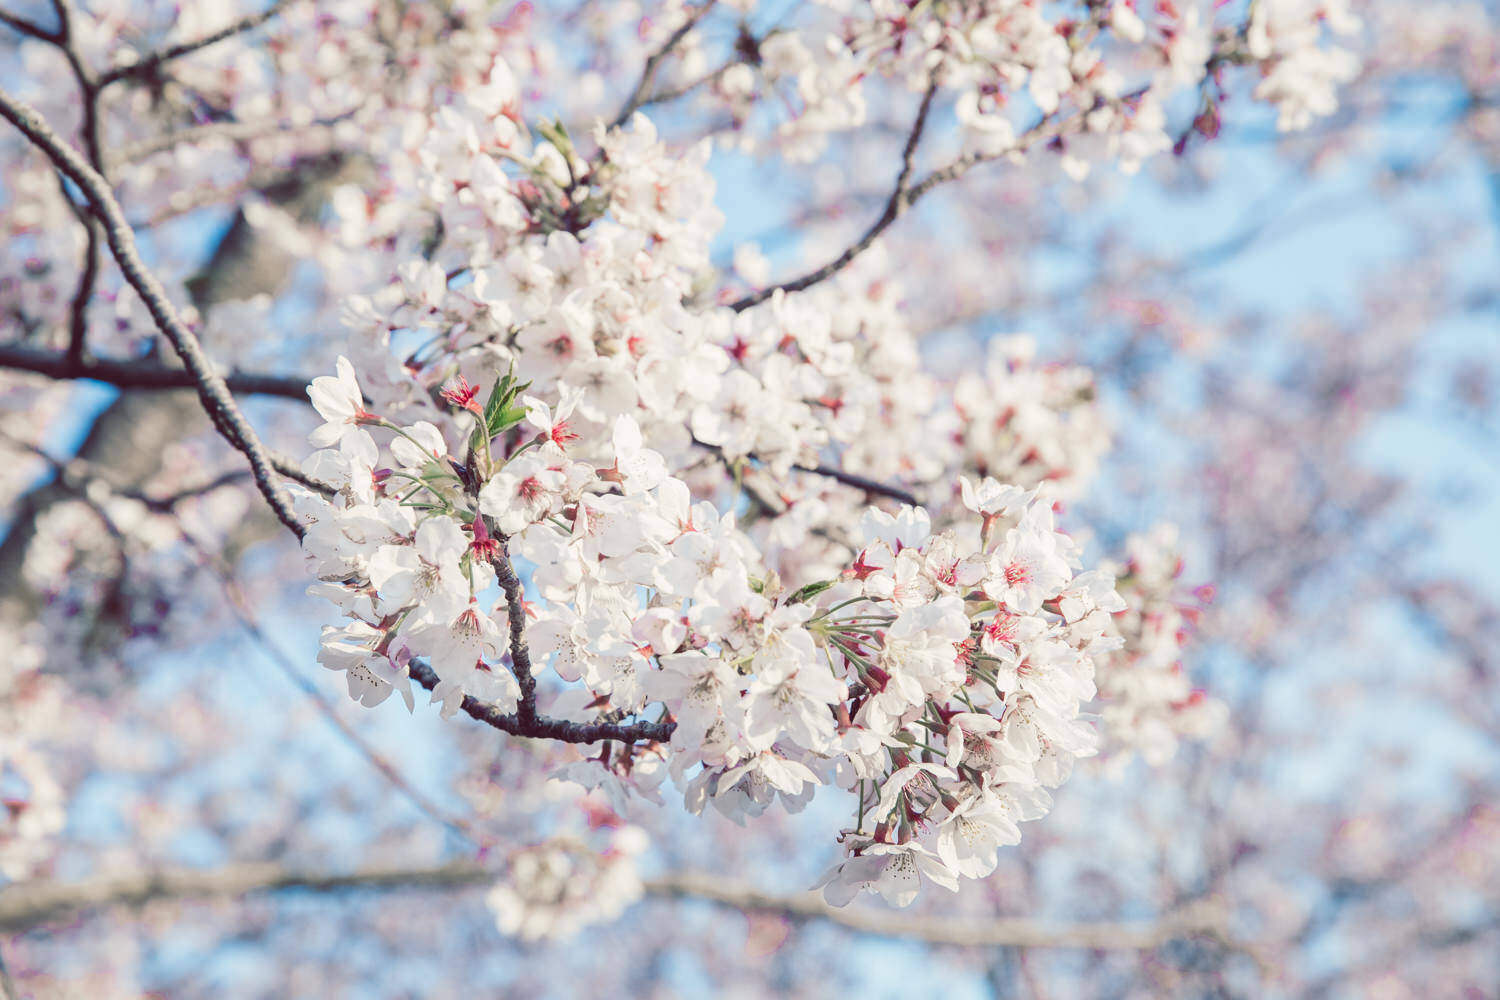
<point>515,612</point>
<point>871,486</point>
<point>905,194</point>
<point>212,391</point>
<point>540,727</point>
<point>27,28</point>
<point>29,905</point>
<point>144,374</point>
<point>26,905</point>
<point>1203,917</point>
<point>149,64</point>
<point>88,96</point>
<point>639,96</point>
<point>900,200</point>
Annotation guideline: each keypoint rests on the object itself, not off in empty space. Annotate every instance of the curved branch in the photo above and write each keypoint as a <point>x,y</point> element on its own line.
<point>640,95</point>
<point>873,487</point>
<point>541,727</point>
<point>212,391</point>
<point>900,200</point>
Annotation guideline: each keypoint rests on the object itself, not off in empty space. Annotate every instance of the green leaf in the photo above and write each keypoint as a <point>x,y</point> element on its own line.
<point>503,410</point>
<point>806,593</point>
<point>555,133</point>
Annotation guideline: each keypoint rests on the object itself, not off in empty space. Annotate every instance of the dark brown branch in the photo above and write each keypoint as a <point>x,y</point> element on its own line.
<point>541,727</point>
<point>639,96</point>
<point>88,95</point>
<point>520,653</point>
<point>871,486</point>
<point>144,374</point>
<point>151,63</point>
<point>212,392</point>
<point>27,28</point>
<point>900,200</point>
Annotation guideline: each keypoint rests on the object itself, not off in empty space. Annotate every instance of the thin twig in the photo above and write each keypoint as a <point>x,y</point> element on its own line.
<point>873,487</point>
<point>150,63</point>
<point>1045,129</point>
<point>231,131</point>
<point>88,96</point>
<point>214,394</point>
<point>293,471</point>
<point>240,607</point>
<point>900,200</point>
<point>638,97</point>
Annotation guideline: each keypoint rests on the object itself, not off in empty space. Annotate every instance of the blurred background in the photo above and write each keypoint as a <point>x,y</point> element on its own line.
<point>1294,338</point>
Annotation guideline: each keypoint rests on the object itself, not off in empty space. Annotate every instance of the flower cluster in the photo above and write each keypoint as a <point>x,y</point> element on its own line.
<point>1017,70</point>
<point>559,886</point>
<point>1148,705</point>
<point>941,675</point>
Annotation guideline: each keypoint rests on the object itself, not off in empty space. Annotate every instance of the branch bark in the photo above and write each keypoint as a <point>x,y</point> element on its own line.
<point>144,374</point>
<point>541,727</point>
<point>212,392</point>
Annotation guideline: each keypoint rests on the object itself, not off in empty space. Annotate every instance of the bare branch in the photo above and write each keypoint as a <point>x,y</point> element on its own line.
<point>144,374</point>
<point>149,64</point>
<point>27,28</point>
<point>900,200</point>
<point>541,727</point>
<point>88,96</point>
<point>905,194</point>
<point>26,905</point>
<point>638,97</point>
<point>1203,917</point>
<point>34,904</point>
<point>212,391</point>
<point>871,486</point>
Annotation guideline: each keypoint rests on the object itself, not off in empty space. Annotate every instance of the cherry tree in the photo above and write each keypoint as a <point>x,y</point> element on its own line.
<point>713,552</point>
